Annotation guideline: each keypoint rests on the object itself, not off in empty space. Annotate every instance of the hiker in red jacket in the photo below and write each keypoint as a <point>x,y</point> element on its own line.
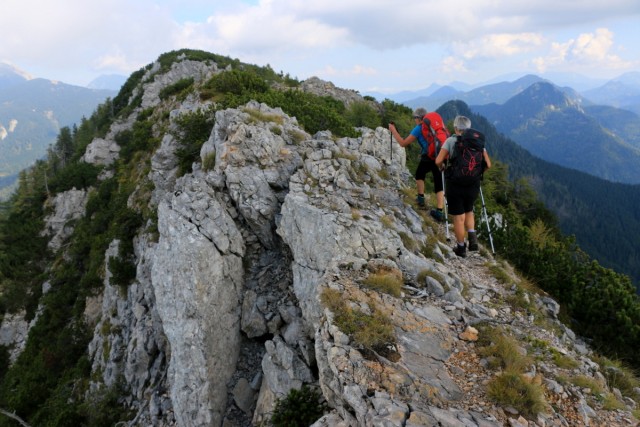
<point>426,164</point>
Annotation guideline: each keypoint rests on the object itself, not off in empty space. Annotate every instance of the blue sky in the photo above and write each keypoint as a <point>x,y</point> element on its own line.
<point>368,45</point>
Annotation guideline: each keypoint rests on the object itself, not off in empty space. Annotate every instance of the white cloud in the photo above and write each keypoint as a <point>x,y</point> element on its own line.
<point>355,71</point>
<point>495,46</point>
<point>116,60</point>
<point>588,50</point>
<point>594,47</point>
<point>380,24</point>
<point>75,34</point>
<point>277,31</point>
<point>359,70</point>
<point>355,37</point>
<point>452,64</point>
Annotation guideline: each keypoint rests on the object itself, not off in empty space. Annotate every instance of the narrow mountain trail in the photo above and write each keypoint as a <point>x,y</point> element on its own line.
<point>555,360</point>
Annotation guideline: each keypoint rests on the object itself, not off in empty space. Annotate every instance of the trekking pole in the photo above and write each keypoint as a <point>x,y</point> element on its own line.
<point>391,143</point>
<point>486,218</point>
<point>446,214</point>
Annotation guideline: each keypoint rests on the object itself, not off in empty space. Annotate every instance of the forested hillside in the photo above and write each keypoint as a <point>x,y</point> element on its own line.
<point>623,123</point>
<point>32,112</point>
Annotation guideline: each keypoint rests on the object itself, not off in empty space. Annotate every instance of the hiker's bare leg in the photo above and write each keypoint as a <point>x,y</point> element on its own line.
<point>469,221</point>
<point>420,186</point>
<point>458,227</point>
<point>440,199</point>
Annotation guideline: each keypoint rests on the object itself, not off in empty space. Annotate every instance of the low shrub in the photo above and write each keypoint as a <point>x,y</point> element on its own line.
<point>300,408</point>
<point>194,130</point>
<point>179,87</point>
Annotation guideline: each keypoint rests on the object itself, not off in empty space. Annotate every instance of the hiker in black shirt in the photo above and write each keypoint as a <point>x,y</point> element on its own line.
<point>462,196</point>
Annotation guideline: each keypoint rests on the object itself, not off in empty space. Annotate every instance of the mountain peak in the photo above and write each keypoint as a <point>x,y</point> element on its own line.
<point>10,75</point>
<point>530,79</point>
<point>8,70</point>
<point>543,94</point>
<point>631,78</point>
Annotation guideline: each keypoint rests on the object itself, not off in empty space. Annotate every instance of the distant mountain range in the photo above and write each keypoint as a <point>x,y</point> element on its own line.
<point>622,92</point>
<point>598,135</point>
<point>552,124</point>
<point>491,93</point>
<point>32,111</point>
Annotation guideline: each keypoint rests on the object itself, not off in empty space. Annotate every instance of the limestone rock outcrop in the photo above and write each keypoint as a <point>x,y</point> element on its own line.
<point>67,207</point>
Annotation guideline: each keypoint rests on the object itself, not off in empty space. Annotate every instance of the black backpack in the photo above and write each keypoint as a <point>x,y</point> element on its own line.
<point>467,165</point>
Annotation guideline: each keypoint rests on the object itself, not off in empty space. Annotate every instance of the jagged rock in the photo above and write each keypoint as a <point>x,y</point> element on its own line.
<point>454,418</point>
<point>553,386</point>
<point>179,70</point>
<point>585,411</point>
<point>13,334</point>
<point>519,422</point>
<point>128,339</point>
<point>164,167</point>
<point>454,296</point>
<point>67,206</point>
<point>101,152</point>
<point>253,322</point>
<point>434,286</point>
<point>197,265</point>
<point>553,308</point>
<point>244,396</point>
<point>283,371</point>
<point>323,88</point>
<point>432,313</point>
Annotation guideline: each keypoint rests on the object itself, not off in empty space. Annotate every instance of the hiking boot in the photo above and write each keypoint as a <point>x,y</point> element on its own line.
<point>420,201</point>
<point>473,241</point>
<point>437,214</point>
<point>461,251</point>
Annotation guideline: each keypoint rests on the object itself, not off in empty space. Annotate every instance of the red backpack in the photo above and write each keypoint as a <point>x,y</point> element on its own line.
<point>435,132</point>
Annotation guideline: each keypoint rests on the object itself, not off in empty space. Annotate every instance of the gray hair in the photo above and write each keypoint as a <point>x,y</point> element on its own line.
<point>461,123</point>
<point>419,112</point>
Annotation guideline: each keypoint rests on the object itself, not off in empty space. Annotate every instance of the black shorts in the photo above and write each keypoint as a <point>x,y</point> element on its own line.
<point>429,165</point>
<point>461,198</point>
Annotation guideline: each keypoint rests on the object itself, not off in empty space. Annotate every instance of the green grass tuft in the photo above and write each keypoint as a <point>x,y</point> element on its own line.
<point>512,389</point>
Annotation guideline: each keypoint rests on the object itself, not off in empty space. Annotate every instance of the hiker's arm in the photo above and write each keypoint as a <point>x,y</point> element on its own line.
<point>403,142</point>
<point>442,156</point>
<point>487,160</point>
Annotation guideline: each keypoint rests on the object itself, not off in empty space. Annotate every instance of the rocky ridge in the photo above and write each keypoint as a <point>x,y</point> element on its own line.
<point>225,315</point>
